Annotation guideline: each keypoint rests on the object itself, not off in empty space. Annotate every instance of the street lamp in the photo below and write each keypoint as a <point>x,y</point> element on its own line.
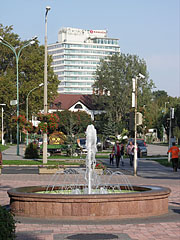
<point>45,88</point>
<point>17,55</point>
<point>2,104</point>
<point>45,63</point>
<point>134,105</point>
<point>27,118</point>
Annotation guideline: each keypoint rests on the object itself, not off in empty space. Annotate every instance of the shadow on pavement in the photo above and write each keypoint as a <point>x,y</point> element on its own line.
<point>176,210</point>
<point>35,235</point>
<point>93,236</point>
<point>176,203</point>
<point>162,177</point>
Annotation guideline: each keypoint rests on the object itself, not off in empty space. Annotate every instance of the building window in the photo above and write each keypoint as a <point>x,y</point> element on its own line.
<point>78,106</point>
<point>51,105</point>
<point>58,105</point>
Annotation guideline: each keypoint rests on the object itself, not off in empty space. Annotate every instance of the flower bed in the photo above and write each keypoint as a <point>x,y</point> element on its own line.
<point>99,168</point>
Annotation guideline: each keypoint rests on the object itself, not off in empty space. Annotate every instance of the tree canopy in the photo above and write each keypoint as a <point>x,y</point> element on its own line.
<point>114,79</point>
<point>73,123</point>
<point>31,74</point>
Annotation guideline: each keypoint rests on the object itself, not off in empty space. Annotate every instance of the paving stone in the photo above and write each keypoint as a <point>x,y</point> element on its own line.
<point>164,227</point>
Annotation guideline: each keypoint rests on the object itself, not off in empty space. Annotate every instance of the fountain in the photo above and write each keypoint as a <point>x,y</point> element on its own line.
<point>85,195</point>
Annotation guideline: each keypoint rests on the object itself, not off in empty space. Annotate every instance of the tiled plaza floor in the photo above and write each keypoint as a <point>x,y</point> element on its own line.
<point>166,227</point>
<point>159,228</point>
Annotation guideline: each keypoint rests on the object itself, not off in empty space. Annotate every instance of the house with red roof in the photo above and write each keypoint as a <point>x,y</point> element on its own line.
<point>74,102</point>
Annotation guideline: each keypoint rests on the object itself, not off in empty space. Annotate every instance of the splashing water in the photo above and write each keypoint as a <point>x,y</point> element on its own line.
<point>91,140</point>
<point>88,182</point>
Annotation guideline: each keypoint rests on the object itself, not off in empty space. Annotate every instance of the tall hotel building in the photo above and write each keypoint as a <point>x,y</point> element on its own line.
<point>76,56</point>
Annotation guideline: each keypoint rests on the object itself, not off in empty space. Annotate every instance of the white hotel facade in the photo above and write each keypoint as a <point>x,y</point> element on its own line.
<point>76,56</point>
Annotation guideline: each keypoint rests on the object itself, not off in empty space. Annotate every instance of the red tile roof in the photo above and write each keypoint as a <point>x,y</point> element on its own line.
<point>68,100</point>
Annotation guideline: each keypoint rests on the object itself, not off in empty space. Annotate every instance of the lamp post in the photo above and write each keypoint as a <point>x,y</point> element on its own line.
<point>45,88</point>
<point>134,105</point>
<point>2,104</point>
<point>27,118</point>
<point>17,55</point>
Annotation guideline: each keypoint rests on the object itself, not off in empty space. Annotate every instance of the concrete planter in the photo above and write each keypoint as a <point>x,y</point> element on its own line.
<point>98,171</point>
<point>47,170</point>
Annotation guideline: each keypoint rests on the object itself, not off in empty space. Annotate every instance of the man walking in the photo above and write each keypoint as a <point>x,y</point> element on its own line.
<point>117,153</point>
<point>174,150</point>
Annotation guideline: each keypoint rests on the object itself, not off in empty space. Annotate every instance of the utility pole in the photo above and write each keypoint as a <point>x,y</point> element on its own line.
<point>134,105</point>
<point>45,89</point>
<point>2,137</point>
<point>170,132</point>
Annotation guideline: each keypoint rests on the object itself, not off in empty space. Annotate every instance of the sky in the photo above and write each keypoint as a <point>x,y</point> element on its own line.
<point>147,28</point>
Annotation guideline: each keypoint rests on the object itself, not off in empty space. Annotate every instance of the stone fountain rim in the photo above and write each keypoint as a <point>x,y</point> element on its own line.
<point>153,202</point>
<point>146,191</point>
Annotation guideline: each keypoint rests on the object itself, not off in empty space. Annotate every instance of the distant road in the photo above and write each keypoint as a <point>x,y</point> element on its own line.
<point>156,150</point>
<point>20,170</point>
<point>10,153</point>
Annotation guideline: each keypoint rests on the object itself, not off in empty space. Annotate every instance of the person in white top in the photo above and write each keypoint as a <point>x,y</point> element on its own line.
<point>130,152</point>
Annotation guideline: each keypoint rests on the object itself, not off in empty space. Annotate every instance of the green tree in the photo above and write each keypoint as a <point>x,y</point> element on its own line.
<point>73,124</point>
<point>114,79</point>
<point>176,122</point>
<point>173,103</point>
<point>160,97</point>
<point>176,132</point>
<point>31,74</point>
<point>109,128</point>
<point>154,112</point>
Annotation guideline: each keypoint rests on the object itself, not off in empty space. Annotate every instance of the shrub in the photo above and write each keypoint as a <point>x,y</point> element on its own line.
<point>7,225</point>
<point>31,151</point>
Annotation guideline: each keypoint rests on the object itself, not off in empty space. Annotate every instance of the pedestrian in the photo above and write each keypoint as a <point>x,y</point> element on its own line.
<point>130,152</point>
<point>111,158</point>
<point>117,153</point>
<point>122,154</point>
<point>174,150</point>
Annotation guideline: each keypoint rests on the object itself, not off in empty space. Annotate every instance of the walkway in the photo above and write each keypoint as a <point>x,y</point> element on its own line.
<point>10,153</point>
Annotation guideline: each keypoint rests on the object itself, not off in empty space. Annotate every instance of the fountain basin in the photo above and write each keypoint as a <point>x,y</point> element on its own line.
<point>146,201</point>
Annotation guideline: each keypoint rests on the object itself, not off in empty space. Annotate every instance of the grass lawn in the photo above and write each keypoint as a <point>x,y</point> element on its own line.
<point>163,162</point>
<point>4,147</point>
<point>40,162</point>
<point>72,157</point>
<point>63,157</point>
